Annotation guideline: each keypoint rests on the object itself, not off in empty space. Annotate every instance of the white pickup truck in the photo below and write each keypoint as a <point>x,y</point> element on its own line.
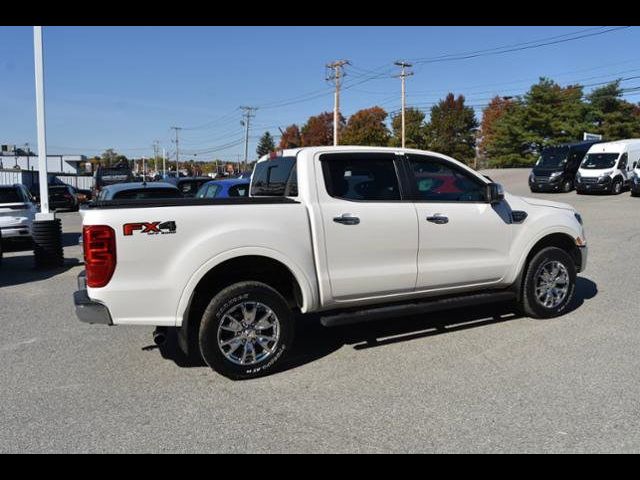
<point>350,233</point>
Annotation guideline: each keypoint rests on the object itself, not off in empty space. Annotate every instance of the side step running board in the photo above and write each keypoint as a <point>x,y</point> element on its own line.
<point>346,317</point>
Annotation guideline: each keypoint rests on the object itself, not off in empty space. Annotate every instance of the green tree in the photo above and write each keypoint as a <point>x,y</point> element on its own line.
<point>451,129</point>
<point>415,129</point>
<point>611,115</point>
<point>366,127</point>
<point>554,114</point>
<point>110,157</point>
<point>265,145</point>
<point>508,143</point>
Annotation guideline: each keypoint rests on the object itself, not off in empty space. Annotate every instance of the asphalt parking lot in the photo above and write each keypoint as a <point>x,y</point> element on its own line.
<point>475,380</point>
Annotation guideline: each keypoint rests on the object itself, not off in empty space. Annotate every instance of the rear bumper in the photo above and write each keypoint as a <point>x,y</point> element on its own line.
<point>16,231</point>
<point>87,310</point>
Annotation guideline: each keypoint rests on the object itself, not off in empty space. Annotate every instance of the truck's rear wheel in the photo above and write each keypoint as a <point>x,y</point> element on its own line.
<point>246,330</point>
<point>549,283</point>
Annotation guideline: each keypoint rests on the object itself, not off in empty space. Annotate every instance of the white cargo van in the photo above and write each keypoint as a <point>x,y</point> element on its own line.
<point>608,167</point>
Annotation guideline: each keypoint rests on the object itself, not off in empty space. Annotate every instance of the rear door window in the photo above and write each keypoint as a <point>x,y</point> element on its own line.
<point>361,176</point>
<point>272,177</point>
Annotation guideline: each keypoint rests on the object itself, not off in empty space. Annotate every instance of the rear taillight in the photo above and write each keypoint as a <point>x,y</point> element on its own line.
<point>99,243</point>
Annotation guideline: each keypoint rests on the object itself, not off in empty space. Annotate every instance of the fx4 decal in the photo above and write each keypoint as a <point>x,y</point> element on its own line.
<point>150,228</point>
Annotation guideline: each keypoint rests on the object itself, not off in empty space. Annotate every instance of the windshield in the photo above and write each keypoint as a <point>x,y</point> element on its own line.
<point>553,157</point>
<point>598,161</point>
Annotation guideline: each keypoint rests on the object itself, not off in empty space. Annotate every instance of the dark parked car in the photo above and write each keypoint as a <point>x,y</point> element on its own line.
<point>104,176</point>
<point>141,190</point>
<point>62,197</point>
<point>189,186</point>
<point>557,166</point>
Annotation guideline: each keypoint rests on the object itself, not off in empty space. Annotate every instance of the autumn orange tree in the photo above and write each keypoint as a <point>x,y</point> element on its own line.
<point>367,127</point>
<point>318,130</point>
<point>291,137</point>
<point>496,108</point>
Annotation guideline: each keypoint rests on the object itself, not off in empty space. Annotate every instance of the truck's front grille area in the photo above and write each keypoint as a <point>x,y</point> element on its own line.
<point>589,180</point>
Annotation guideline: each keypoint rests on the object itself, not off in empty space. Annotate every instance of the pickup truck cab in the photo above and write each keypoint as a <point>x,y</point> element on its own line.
<point>347,233</point>
<point>608,167</point>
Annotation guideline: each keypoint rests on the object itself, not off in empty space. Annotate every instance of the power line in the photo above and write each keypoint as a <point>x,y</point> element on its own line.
<point>524,46</point>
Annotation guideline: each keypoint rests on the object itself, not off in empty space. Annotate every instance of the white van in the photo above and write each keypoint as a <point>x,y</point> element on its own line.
<point>635,181</point>
<point>608,167</point>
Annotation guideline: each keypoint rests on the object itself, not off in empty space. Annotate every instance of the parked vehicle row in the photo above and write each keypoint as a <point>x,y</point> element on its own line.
<point>589,167</point>
<point>346,233</point>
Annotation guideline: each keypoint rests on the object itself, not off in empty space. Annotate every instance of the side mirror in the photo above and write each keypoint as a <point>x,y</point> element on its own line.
<point>495,193</point>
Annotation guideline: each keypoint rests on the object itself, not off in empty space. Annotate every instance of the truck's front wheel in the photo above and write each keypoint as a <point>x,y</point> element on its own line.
<point>246,330</point>
<point>549,283</point>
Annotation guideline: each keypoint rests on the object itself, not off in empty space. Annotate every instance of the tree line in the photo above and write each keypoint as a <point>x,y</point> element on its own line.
<point>511,132</point>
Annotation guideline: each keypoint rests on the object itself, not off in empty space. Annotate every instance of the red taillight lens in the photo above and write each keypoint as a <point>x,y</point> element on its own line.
<point>99,242</point>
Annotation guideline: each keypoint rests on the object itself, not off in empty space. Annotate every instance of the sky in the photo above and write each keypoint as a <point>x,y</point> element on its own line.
<point>124,87</point>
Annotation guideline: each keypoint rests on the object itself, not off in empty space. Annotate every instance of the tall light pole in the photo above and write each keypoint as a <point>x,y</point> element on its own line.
<point>41,126</point>
<point>164,162</point>
<point>336,76</point>
<point>403,75</point>
<point>46,229</point>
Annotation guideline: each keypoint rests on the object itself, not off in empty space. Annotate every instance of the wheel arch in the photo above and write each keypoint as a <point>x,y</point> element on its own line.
<point>561,240</point>
<point>250,265</point>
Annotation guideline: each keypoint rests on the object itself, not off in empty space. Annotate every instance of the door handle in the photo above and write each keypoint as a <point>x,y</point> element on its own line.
<point>347,219</point>
<point>438,218</point>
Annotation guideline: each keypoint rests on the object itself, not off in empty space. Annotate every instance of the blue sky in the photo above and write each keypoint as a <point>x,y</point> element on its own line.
<point>123,87</point>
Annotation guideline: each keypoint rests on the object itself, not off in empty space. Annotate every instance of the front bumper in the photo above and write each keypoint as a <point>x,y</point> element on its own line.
<point>87,310</point>
<point>635,187</point>
<point>603,186</point>
<point>545,186</point>
<point>583,258</point>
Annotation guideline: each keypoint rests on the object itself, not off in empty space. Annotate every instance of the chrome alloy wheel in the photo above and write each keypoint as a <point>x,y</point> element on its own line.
<point>248,333</point>
<point>552,284</point>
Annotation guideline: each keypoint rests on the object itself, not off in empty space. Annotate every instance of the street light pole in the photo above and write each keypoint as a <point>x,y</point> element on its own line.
<point>40,120</point>
<point>46,230</point>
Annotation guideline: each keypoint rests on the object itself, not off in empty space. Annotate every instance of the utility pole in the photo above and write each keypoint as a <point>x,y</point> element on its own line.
<point>156,148</point>
<point>248,114</point>
<point>177,140</point>
<point>336,77</point>
<point>164,162</point>
<point>403,75</point>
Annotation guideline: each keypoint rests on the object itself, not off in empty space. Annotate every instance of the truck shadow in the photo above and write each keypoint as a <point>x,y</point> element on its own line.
<point>313,341</point>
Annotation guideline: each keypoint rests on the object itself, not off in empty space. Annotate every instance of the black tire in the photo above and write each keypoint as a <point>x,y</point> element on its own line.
<point>616,187</point>
<point>567,186</point>
<point>531,306</point>
<point>229,301</point>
